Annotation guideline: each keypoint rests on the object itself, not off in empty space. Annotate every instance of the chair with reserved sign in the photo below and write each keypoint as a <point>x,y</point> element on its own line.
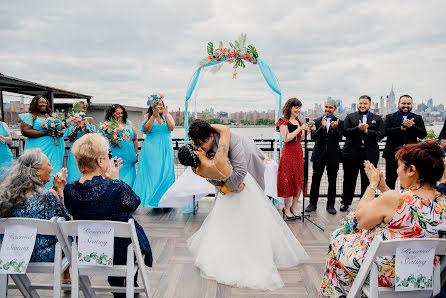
<point>135,259</point>
<point>369,269</point>
<point>22,281</point>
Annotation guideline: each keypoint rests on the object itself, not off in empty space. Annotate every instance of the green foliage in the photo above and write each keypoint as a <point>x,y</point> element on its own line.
<point>239,62</point>
<point>210,48</point>
<point>431,135</point>
<point>252,50</point>
<point>77,107</point>
<point>263,121</point>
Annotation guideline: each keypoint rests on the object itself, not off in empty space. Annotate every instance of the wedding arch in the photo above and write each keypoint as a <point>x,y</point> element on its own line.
<point>238,54</point>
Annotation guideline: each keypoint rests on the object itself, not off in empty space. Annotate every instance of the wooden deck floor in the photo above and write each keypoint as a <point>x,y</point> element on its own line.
<point>174,275</point>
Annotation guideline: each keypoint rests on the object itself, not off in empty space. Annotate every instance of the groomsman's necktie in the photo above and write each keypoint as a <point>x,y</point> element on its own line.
<point>328,124</point>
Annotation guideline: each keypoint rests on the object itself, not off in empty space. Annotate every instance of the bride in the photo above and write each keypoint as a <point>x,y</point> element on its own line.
<point>243,240</point>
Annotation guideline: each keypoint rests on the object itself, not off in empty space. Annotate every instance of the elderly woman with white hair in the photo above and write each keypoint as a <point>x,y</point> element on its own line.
<point>100,195</point>
<point>23,194</point>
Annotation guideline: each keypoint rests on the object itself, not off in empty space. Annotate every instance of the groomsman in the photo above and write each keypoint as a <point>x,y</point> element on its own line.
<point>362,131</point>
<point>326,132</point>
<point>402,127</point>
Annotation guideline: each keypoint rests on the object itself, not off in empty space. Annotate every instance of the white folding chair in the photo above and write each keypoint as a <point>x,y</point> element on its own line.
<point>69,231</point>
<point>22,282</point>
<point>378,248</point>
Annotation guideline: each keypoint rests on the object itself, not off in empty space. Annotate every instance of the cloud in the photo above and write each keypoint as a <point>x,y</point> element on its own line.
<point>122,51</point>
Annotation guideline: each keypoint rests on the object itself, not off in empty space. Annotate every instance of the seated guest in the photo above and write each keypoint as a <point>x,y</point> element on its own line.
<point>416,211</point>
<point>100,195</point>
<point>23,194</point>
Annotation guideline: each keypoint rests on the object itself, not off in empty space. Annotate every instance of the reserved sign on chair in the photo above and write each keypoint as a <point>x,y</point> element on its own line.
<point>17,248</point>
<point>414,265</point>
<point>95,244</point>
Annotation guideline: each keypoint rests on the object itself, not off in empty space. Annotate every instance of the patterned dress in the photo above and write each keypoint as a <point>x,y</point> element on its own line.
<point>414,218</point>
<point>42,205</point>
<point>290,175</point>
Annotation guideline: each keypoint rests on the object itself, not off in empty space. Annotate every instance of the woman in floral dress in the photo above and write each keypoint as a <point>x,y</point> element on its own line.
<point>417,211</point>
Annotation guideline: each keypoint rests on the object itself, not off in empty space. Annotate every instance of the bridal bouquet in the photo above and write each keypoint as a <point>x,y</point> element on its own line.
<point>154,100</point>
<point>54,123</point>
<point>76,116</point>
<point>349,224</point>
<point>115,131</point>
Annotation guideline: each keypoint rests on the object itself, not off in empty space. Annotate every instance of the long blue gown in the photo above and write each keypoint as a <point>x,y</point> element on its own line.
<point>5,153</point>
<point>46,144</point>
<point>73,170</point>
<point>156,167</point>
<point>127,153</point>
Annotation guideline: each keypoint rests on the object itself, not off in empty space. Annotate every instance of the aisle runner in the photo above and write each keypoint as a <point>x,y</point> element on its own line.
<point>95,244</point>
<point>17,248</point>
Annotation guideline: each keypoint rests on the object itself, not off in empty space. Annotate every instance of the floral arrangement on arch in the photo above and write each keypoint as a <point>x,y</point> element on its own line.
<point>154,99</point>
<point>76,116</point>
<point>237,53</point>
<point>115,131</point>
<point>54,123</point>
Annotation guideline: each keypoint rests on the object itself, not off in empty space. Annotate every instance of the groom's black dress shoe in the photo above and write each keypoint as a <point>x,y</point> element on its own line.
<point>331,210</point>
<point>343,207</point>
<point>310,208</point>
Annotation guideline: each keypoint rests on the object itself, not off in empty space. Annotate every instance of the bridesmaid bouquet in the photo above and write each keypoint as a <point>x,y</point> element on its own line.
<point>115,131</point>
<point>154,99</point>
<point>54,123</point>
<point>349,224</point>
<point>76,116</point>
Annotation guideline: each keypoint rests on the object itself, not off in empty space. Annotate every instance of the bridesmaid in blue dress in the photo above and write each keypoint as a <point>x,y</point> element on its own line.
<point>73,133</point>
<point>39,137</point>
<point>156,167</point>
<point>5,153</point>
<point>127,150</point>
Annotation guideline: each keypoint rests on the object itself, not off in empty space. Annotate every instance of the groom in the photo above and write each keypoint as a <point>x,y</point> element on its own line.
<point>243,155</point>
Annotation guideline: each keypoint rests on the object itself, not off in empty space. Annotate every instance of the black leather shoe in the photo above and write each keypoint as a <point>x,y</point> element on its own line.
<point>343,207</point>
<point>286,217</point>
<point>331,210</point>
<point>310,208</point>
<point>295,216</point>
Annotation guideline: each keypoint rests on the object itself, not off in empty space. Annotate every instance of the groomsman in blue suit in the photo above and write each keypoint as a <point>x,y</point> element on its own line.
<point>326,132</point>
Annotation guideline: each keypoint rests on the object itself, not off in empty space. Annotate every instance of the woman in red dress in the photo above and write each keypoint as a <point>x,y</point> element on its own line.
<point>290,176</point>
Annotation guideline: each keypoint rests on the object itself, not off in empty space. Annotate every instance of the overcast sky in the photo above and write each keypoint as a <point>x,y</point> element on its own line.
<point>121,51</point>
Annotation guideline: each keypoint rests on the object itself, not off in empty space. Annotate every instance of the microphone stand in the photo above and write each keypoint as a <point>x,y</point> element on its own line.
<point>306,216</point>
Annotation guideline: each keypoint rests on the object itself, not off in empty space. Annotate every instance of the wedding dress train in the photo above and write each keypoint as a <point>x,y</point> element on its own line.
<point>244,240</point>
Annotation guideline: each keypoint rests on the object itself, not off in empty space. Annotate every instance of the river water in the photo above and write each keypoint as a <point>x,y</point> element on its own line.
<point>263,132</point>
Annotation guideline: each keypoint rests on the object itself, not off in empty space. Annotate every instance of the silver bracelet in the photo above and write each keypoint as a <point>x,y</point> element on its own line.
<point>374,189</point>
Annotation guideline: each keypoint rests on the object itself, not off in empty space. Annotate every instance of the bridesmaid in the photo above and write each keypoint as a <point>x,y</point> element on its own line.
<point>39,137</point>
<point>5,153</point>
<point>73,133</point>
<point>156,168</point>
<point>129,149</point>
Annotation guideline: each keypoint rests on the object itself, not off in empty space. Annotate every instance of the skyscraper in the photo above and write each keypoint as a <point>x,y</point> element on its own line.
<point>381,105</point>
<point>392,106</point>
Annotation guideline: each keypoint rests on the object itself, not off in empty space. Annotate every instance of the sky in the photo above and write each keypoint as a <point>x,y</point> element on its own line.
<point>122,51</point>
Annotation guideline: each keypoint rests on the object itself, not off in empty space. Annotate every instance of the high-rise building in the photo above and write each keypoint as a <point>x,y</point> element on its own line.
<point>381,105</point>
<point>430,104</point>
<point>392,106</point>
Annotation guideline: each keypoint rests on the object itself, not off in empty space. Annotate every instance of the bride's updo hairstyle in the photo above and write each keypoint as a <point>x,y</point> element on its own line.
<point>428,159</point>
<point>187,157</point>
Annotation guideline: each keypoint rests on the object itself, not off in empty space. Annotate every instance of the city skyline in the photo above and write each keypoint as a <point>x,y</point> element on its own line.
<point>340,48</point>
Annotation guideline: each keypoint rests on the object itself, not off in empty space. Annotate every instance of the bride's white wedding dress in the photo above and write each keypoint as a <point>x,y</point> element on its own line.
<point>244,240</point>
